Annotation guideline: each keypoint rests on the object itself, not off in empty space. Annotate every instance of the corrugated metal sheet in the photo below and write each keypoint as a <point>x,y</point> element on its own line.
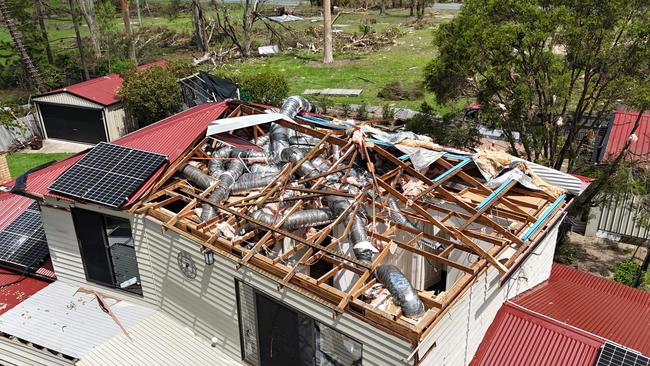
<point>619,131</point>
<point>621,217</point>
<point>14,352</point>
<point>101,90</point>
<point>593,304</point>
<point>557,178</point>
<point>11,206</point>
<point>157,340</point>
<point>517,337</point>
<point>60,319</point>
<point>67,98</point>
<point>16,288</point>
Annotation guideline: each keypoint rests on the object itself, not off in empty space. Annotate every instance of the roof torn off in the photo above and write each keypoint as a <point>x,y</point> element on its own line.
<point>389,227</point>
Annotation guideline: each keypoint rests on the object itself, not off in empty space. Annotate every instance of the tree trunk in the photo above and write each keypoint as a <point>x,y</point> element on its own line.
<point>411,7</point>
<point>17,37</point>
<point>128,30</point>
<point>328,56</point>
<point>41,24</point>
<point>199,31</point>
<point>87,8</point>
<point>80,45</point>
<point>247,22</point>
<point>382,8</point>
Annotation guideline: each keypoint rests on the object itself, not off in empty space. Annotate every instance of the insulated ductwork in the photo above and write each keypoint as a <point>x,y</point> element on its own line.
<point>196,176</point>
<point>222,190</point>
<point>294,155</point>
<point>294,105</point>
<point>303,140</point>
<point>252,156</point>
<point>250,181</point>
<point>396,215</point>
<point>358,236</point>
<point>300,219</point>
<point>265,168</point>
<point>279,140</point>
<point>217,162</point>
<point>401,289</point>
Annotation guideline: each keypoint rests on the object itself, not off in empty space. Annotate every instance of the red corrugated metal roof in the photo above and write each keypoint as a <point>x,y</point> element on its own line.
<point>11,206</point>
<point>593,304</point>
<point>619,131</point>
<point>518,337</point>
<point>16,288</point>
<point>170,136</point>
<point>101,90</point>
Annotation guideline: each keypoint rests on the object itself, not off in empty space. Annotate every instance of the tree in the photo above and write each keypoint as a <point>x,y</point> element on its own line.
<point>454,128</point>
<point>128,31</point>
<point>328,56</point>
<point>80,45</point>
<point>17,37</point>
<point>41,23</point>
<point>87,8</point>
<point>546,70</point>
<point>151,94</point>
<point>199,28</point>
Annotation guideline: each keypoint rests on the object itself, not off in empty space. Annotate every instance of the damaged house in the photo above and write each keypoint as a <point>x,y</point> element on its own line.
<point>279,237</point>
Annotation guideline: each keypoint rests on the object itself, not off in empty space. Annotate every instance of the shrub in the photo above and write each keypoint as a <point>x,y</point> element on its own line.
<point>396,90</point>
<point>346,109</point>
<point>265,87</point>
<point>625,272</point>
<point>151,94</point>
<point>362,112</point>
<point>387,113</point>
<point>451,129</point>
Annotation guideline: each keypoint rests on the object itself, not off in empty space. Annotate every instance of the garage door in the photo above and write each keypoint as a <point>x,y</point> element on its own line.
<point>73,124</point>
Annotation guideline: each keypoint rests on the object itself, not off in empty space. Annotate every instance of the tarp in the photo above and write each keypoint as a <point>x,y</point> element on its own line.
<point>221,88</point>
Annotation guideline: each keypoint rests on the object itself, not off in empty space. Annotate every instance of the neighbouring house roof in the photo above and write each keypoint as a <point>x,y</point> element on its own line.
<point>16,288</point>
<point>594,304</point>
<point>520,337</point>
<point>101,90</point>
<point>565,320</point>
<point>619,131</point>
<point>170,136</point>
<point>69,320</point>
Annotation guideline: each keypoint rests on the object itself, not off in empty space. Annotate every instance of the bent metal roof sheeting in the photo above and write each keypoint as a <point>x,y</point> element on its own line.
<point>593,304</point>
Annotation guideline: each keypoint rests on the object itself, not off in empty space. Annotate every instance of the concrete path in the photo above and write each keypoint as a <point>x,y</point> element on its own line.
<point>60,146</point>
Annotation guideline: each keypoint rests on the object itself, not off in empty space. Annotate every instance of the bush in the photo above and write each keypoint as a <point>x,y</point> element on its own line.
<point>362,112</point>
<point>266,87</point>
<point>625,272</point>
<point>451,129</point>
<point>151,94</point>
<point>396,90</point>
<point>387,113</point>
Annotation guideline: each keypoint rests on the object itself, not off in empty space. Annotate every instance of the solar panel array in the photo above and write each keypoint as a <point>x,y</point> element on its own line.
<point>22,243</point>
<point>109,174</point>
<point>614,355</point>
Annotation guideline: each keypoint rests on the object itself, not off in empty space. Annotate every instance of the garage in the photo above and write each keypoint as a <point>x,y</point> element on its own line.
<point>73,123</point>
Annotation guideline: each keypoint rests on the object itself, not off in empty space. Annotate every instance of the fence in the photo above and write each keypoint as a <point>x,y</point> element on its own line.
<point>618,219</point>
<point>15,136</point>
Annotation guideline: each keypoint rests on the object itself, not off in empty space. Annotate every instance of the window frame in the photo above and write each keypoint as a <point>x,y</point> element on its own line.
<point>104,239</point>
<point>256,291</point>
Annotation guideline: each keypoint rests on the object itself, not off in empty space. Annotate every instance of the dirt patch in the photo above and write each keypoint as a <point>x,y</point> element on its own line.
<point>335,63</point>
<point>596,255</point>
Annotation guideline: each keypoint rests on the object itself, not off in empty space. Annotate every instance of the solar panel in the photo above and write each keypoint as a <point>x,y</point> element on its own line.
<point>109,174</point>
<point>614,355</point>
<point>22,243</point>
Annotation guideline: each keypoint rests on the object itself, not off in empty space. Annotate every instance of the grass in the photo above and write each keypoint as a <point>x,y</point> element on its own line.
<point>19,163</point>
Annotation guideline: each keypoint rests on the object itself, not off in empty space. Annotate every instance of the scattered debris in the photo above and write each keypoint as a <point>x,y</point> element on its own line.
<point>334,92</point>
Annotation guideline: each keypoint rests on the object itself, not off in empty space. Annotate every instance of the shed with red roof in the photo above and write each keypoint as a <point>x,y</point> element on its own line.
<point>87,112</point>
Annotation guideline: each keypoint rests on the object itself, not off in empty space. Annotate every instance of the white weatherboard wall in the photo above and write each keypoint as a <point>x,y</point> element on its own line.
<point>14,352</point>
<point>207,304</point>
<point>117,123</point>
<point>456,337</point>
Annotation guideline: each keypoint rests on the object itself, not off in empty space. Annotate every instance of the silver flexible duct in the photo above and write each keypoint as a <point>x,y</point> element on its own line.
<point>196,176</point>
<point>249,181</point>
<point>303,140</point>
<point>279,140</point>
<point>294,105</point>
<point>294,155</point>
<point>401,289</point>
<point>396,215</point>
<point>358,236</point>
<point>222,190</point>
<point>216,164</point>
<point>265,168</point>
<point>304,218</point>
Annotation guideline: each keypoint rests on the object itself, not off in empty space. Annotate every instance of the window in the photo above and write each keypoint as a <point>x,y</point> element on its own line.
<point>273,334</point>
<point>107,250</point>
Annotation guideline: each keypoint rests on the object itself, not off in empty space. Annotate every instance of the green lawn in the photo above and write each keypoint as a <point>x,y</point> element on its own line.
<point>19,163</point>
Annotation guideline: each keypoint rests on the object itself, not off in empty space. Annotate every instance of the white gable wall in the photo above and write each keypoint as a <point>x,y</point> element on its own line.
<point>456,337</point>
